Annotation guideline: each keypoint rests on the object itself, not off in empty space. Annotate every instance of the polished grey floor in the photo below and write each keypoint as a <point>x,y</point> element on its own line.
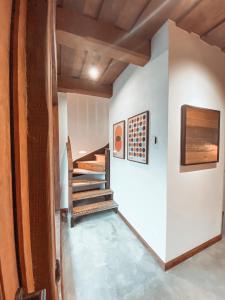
<point>103,260</point>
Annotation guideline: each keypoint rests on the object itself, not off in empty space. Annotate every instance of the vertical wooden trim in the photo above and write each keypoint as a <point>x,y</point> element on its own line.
<point>19,125</point>
<point>183,133</point>
<point>55,111</point>
<point>56,156</point>
<point>9,273</point>
<point>40,143</point>
<point>70,177</point>
<point>107,168</point>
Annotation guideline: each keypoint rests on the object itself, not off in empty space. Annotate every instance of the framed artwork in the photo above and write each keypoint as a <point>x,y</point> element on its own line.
<point>200,132</point>
<point>119,140</point>
<point>137,138</point>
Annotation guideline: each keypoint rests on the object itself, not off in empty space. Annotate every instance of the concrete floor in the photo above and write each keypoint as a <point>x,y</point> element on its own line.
<point>103,260</point>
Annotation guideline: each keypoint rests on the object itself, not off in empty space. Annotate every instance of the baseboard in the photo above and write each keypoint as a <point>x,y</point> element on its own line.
<point>145,244</point>
<point>174,262</point>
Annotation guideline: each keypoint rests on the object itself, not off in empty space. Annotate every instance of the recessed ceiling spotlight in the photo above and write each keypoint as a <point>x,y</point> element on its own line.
<point>93,73</point>
<point>82,152</point>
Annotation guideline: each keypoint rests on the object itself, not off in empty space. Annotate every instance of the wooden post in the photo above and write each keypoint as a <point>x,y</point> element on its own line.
<point>19,130</point>
<point>8,262</point>
<point>40,143</point>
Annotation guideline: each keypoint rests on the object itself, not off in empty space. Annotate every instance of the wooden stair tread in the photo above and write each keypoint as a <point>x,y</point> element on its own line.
<point>100,157</point>
<point>92,165</point>
<point>78,171</point>
<point>94,207</point>
<point>90,194</point>
<point>87,182</point>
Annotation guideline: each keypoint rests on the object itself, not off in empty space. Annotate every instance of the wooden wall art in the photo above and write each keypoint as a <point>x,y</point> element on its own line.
<point>119,140</point>
<point>200,130</point>
<point>137,135</point>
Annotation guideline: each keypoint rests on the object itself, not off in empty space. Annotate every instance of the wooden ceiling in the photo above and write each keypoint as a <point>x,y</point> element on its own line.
<point>110,34</point>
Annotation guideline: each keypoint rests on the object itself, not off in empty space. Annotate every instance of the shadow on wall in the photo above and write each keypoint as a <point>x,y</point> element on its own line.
<point>199,167</point>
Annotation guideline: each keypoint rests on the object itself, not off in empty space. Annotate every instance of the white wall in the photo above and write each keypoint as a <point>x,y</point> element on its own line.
<point>174,208</point>
<point>195,194</point>
<point>88,118</point>
<point>140,189</point>
<point>63,134</point>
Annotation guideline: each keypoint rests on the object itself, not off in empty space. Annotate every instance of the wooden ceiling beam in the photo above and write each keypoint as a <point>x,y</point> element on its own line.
<point>83,86</point>
<point>92,8</point>
<point>75,30</point>
<point>158,12</point>
<point>216,36</point>
<point>212,13</point>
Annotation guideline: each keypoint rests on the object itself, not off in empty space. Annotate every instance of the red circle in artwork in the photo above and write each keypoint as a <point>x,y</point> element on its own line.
<point>118,138</point>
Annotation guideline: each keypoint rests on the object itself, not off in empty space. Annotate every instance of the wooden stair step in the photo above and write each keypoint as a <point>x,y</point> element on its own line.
<point>78,196</point>
<point>78,171</point>
<point>92,165</point>
<point>100,157</point>
<point>87,182</point>
<point>94,207</point>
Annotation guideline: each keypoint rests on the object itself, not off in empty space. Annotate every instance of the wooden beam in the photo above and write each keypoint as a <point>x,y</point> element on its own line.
<point>212,12</point>
<point>85,87</point>
<point>158,12</point>
<point>112,72</point>
<point>75,30</point>
<point>92,8</point>
<point>216,36</point>
<point>153,17</point>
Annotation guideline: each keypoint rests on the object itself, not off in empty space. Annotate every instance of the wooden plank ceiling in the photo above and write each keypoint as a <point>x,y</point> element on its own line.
<point>110,34</point>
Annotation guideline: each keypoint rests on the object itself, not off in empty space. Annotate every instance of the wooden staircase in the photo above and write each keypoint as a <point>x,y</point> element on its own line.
<point>89,186</point>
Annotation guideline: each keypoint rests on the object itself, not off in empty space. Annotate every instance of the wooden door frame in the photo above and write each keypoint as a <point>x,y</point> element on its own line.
<point>8,261</point>
<point>19,143</point>
<point>40,78</point>
<point>28,89</point>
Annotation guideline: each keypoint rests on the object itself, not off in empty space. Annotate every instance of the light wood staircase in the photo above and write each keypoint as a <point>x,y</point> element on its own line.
<point>89,185</point>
